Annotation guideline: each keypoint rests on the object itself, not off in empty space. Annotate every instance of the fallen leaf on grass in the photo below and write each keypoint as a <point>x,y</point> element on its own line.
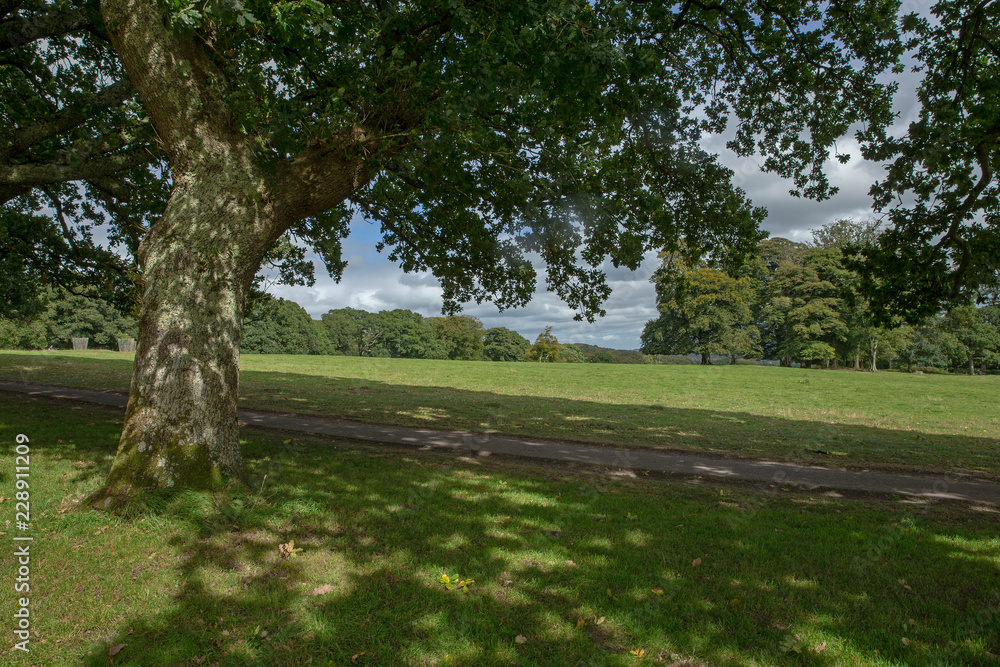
<point>354,658</point>
<point>902,582</point>
<point>115,650</point>
<point>610,595</point>
<point>520,639</point>
<point>819,647</point>
<point>658,591</point>
<point>906,642</point>
<point>696,562</point>
<point>323,590</point>
<point>638,652</point>
<point>793,644</point>
<point>287,551</point>
<point>580,622</point>
<point>599,621</point>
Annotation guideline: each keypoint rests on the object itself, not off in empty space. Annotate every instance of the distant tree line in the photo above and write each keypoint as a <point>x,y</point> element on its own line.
<point>800,303</point>
<point>277,326</point>
<point>60,316</point>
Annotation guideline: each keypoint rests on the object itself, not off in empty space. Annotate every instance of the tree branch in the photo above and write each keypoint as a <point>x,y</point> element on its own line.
<point>324,175</point>
<point>28,175</point>
<point>70,117</point>
<point>953,235</point>
<point>26,29</point>
<point>193,120</point>
<point>112,187</point>
<point>8,192</point>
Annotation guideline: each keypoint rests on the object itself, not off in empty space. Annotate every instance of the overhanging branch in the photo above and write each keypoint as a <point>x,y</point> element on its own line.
<point>70,117</point>
<point>40,174</point>
<point>24,30</point>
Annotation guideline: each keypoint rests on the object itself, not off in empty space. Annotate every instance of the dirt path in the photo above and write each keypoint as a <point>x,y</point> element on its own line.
<point>483,444</point>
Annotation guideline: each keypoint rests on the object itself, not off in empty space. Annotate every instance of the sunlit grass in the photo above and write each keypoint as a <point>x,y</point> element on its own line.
<point>840,418</point>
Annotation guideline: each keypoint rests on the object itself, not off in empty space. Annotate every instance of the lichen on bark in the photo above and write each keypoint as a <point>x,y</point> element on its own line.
<point>229,203</point>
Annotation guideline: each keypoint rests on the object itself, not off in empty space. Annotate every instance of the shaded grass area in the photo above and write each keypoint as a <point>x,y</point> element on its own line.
<point>840,418</point>
<point>569,567</point>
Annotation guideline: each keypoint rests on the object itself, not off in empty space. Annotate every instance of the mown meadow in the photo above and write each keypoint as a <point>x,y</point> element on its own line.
<point>842,418</point>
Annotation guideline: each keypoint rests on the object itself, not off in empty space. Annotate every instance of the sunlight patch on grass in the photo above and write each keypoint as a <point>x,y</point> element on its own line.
<point>425,414</point>
<point>796,582</point>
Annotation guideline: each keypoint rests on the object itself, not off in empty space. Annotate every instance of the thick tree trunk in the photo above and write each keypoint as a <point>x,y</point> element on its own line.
<point>706,360</point>
<point>228,206</point>
<point>198,263</point>
<point>972,366</point>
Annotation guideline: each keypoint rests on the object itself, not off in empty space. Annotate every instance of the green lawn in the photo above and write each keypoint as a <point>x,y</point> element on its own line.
<point>844,418</point>
<point>568,567</point>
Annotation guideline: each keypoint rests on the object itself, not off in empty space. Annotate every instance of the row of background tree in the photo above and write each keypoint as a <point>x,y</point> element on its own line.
<point>800,303</point>
<point>278,326</point>
<point>795,302</point>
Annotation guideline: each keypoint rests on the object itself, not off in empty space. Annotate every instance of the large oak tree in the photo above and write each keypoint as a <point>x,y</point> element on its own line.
<point>473,132</point>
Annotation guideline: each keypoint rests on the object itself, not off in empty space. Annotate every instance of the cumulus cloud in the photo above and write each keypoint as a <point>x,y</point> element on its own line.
<point>373,283</point>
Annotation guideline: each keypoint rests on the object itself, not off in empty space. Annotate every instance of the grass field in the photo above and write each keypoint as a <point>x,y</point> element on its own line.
<point>842,418</point>
<point>569,567</point>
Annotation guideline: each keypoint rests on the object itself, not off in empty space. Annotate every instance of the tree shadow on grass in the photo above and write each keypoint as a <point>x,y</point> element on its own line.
<point>545,553</point>
<point>685,572</point>
<point>547,550</point>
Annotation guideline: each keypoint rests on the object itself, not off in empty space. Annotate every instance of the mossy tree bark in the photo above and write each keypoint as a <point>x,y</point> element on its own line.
<point>228,205</point>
